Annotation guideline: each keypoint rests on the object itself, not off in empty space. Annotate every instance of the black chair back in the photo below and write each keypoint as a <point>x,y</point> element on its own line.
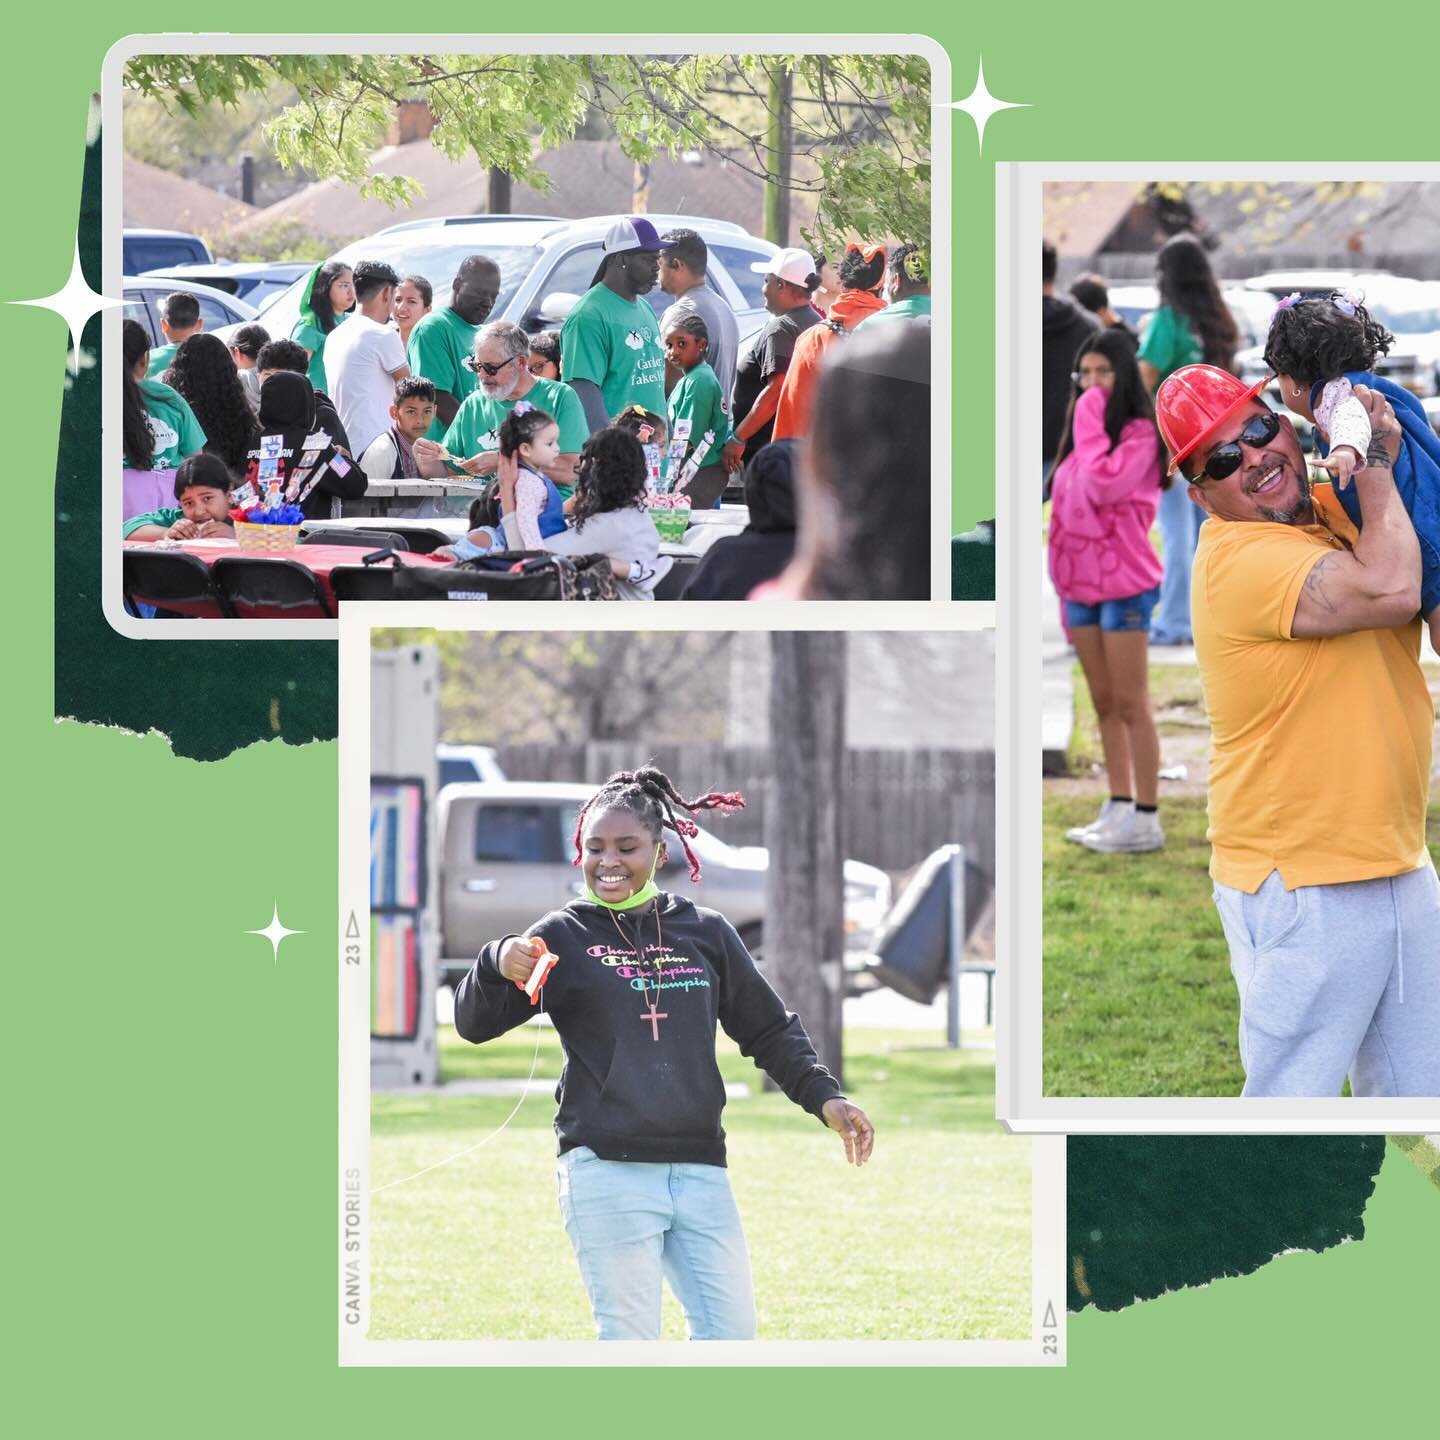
<point>360,535</point>
<point>669,586</point>
<point>271,588</point>
<point>172,580</point>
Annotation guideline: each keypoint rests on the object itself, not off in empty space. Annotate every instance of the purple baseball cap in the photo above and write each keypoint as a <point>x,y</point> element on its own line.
<point>634,232</point>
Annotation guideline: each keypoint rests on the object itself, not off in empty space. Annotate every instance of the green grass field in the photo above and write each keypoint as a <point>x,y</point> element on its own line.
<point>930,1241</point>
<point>1138,996</point>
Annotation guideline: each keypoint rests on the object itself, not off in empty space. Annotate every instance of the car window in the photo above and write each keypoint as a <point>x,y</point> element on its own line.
<point>136,309</point>
<point>160,254</point>
<point>517,834</point>
<point>737,262</point>
<point>214,314</point>
<point>573,273</point>
<point>457,772</point>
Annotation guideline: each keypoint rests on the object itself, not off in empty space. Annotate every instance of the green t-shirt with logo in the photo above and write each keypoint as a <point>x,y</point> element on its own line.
<point>476,425</point>
<point>160,360</point>
<point>173,424</point>
<point>166,517</point>
<point>697,397</point>
<point>615,344</point>
<point>912,307</point>
<point>1169,342</point>
<point>439,346</point>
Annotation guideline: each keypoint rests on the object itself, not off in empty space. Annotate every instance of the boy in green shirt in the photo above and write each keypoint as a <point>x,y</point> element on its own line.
<point>202,488</point>
<point>697,408</point>
<point>179,320</point>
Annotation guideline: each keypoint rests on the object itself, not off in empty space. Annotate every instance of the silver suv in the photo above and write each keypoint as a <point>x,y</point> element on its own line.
<point>505,852</point>
<point>545,265</point>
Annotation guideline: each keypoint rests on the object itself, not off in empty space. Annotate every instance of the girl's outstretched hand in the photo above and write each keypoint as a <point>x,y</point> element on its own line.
<point>518,957</point>
<point>853,1127</point>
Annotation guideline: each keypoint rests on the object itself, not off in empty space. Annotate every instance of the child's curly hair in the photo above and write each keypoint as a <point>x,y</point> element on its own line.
<point>520,427</point>
<point>610,475</point>
<point>1318,338</point>
<point>634,418</point>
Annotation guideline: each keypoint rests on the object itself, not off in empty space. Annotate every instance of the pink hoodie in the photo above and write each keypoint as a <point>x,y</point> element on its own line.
<point>1103,503</point>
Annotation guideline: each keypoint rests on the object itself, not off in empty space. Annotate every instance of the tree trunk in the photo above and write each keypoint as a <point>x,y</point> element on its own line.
<point>804,893</point>
<point>778,143</point>
<point>499,200</point>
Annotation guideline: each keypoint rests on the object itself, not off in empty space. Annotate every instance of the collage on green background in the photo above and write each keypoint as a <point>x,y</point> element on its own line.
<point>172,1084</point>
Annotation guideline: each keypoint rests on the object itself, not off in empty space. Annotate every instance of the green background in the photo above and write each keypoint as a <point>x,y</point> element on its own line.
<point>172,1187</point>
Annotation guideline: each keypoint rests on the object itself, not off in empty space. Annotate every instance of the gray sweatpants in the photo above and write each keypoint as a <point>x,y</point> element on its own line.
<point>1337,980</point>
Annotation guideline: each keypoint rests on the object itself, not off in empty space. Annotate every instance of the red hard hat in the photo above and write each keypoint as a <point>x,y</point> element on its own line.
<point>1194,402</point>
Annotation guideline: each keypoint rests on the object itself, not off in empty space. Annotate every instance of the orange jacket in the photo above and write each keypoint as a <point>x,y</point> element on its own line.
<point>797,392</point>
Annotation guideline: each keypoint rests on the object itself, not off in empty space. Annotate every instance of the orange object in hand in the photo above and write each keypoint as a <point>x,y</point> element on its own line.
<point>543,965</point>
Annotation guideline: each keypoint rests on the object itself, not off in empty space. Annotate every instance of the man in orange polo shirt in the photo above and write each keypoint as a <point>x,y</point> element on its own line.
<point>1308,642</point>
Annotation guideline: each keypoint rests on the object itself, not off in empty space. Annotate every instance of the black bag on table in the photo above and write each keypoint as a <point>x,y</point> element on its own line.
<point>541,576</point>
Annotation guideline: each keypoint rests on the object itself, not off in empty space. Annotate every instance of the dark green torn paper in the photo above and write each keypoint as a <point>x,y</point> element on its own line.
<point>208,697</point>
<point>1149,1214</point>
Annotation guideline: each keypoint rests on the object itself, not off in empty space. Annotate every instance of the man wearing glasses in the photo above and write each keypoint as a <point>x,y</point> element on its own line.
<point>500,365</point>
<point>1308,642</point>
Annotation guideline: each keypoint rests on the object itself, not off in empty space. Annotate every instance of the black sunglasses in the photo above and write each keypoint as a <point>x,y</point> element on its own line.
<point>471,363</point>
<point>1224,460</point>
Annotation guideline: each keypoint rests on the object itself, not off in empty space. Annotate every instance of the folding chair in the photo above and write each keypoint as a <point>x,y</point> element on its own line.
<point>173,581</point>
<point>362,582</point>
<point>361,535</point>
<point>265,589</point>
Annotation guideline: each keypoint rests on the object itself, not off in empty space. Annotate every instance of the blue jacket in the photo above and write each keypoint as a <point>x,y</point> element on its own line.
<point>1417,478</point>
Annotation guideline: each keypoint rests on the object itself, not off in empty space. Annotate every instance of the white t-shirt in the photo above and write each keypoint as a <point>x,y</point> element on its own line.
<point>361,357</point>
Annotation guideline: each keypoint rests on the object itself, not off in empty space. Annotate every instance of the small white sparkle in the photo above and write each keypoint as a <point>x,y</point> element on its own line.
<point>980,105</point>
<point>75,303</point>
<point>275,932</point>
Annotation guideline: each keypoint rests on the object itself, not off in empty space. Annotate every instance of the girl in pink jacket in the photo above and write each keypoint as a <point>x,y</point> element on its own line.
<point>1106,490</point>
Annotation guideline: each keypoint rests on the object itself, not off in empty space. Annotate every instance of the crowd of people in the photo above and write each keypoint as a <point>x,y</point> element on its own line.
<point>577,431</point>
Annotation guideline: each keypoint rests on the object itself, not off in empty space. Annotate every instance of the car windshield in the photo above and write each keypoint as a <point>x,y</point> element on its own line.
<point>1407,321</point>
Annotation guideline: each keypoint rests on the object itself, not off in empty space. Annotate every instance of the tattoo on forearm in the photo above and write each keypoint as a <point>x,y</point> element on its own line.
<point>1315,585</point>
<point>1377,456</point>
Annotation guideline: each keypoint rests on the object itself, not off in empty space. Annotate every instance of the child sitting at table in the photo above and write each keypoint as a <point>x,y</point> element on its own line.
<point>202,489</point>
<point>391,456</point>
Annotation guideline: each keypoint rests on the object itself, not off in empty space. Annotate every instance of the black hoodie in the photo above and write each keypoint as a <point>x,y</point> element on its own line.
<point>633,1087</point>
<point>734,566</point>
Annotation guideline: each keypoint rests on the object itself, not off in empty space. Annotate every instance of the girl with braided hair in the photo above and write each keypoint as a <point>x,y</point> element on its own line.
<point>642,979</point>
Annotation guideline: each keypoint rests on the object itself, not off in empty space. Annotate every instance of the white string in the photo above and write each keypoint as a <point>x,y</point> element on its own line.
<point>479,1144</point>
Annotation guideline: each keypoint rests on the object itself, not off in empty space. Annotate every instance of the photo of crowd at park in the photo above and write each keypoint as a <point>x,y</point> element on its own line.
<point>1241,442</point>
<point>717,979</point>
<point>700,368</point>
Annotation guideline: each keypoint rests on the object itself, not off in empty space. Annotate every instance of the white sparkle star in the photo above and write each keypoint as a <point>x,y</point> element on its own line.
<point>76,303</point>
<point>275,932</point>
<point>980,105</point>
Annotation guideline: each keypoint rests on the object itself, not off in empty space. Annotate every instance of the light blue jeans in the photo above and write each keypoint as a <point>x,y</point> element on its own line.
<point>633,1225</point>
<point>1335,980</point>
<point>1180,521</point>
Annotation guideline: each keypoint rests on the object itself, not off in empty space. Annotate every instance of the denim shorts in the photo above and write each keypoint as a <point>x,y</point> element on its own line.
<point>1131,613</point>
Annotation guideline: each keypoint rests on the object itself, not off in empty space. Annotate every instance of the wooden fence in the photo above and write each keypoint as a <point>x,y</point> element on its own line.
<point>898,805</point>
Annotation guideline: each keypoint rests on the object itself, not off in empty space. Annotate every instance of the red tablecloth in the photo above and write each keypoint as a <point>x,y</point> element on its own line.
<point>319,559</point>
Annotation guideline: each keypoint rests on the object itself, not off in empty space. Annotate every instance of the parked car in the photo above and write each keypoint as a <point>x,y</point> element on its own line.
<point>461,763</point>
<point>255,283</point>
<point>545,265</point>
<point>505,851</point>
<point>143,296</point>
<point>143,250</point>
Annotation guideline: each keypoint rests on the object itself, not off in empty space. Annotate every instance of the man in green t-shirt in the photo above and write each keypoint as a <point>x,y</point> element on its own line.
<point>610,341</point>
<point>441,342</point>
<point>503,379</point>
<point>179,319</point>
<point>907,288</point>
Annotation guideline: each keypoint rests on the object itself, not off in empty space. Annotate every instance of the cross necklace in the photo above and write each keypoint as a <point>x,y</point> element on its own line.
<point>654,1014</point>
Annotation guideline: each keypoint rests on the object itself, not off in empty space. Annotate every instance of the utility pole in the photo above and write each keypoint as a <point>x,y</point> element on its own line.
<point>779,144</point>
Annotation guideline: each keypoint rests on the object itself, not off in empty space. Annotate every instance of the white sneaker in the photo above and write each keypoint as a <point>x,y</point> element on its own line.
<point>1129,835</point>
<point>1110,812</point>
